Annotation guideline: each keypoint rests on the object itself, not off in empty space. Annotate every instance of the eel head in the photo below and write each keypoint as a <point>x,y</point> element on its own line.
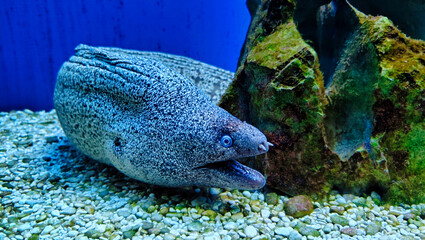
<point>233,140</point>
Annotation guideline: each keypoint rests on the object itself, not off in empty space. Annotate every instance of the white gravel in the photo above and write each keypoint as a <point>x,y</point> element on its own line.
<point>50,191</point>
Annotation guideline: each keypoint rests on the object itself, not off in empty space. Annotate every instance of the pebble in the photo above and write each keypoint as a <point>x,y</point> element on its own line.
<point>359,202</point>
<point>294,235</point>
<point>341,200</point>
<point>408,216</point>
<point>101,228</point>
<point>69,211</point>
<point>47,230</point>
<point>309,231</point>
<point>413,226</point>
<point>349,231</point>
<point>337,209</point>
<point>327,228</point>
<point>250,231</point>
<point>35,230</point>
<point>352,223</point>
<point>375,196</point>
<point>298,206</point>
<point>247,194</point>
<point>124,212</point>
<point>265,213</point>
<point>156,217</point>
<point>230,226</point>
<point>215,191</point>
<point>55,213</point>
<point>339,220</point>
<point>24,227</point>
<point>129,234</point>
<point>194,226</point>
<point>237,216</point>
<point>283,231</point>
<point>395,212</point>
<point>373,228</point>
<point>404,232</point>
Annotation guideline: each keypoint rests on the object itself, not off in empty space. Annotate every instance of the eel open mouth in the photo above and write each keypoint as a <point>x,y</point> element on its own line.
<point>232,174</point>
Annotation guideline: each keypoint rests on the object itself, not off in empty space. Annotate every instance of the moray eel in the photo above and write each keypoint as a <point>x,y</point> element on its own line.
<point>151,123</point>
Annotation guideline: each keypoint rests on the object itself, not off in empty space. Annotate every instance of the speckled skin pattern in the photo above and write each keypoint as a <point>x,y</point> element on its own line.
<point>151,123</point>
<point>212,80</point>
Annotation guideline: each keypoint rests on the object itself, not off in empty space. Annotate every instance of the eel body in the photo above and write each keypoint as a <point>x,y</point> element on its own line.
<point>130,111</point>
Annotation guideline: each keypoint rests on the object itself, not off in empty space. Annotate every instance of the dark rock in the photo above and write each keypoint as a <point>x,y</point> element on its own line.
<point>298,206</point>
<point>27,160</point>
<point>52,139</point>
<point>5,192</point>
<point>64,147</point>
<point>11,163</point>
<point>336,22</point>
<point>24,143</point>
<point>8,185</point>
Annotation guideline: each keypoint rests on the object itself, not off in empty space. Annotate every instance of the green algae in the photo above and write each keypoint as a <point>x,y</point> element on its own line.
<point>271,53</point>
<point>402,87</point>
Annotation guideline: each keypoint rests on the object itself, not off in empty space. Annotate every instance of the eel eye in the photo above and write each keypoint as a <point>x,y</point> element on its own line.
<point>226,141</point>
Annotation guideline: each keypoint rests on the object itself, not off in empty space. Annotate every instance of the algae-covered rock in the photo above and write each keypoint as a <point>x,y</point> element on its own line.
<point>375,117</point>
<point>362,131</point>
<point>407,15</point>
<point>278,87</point>
<point>298,206</point>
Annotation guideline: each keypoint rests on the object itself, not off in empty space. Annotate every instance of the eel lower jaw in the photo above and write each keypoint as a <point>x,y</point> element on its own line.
<point>232,174</point>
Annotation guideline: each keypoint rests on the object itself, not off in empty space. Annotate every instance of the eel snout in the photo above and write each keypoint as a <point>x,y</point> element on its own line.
<point>264,147</point>
<point>227,172</point>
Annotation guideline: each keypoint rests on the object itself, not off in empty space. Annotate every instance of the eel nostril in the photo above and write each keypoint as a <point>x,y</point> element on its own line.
<point>263,147</point>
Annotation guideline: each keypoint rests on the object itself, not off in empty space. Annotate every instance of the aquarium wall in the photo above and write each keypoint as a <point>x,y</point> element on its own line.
<point>38,36</point>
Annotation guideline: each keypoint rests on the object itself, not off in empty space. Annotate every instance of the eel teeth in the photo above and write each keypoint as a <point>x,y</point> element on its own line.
<point>262,147</point>
<point>270,144</point>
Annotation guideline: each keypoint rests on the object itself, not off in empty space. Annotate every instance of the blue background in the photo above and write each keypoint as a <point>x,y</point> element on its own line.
<point>37,36</point>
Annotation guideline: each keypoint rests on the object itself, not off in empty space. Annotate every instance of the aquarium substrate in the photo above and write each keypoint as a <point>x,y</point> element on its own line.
<point>50,191</point>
